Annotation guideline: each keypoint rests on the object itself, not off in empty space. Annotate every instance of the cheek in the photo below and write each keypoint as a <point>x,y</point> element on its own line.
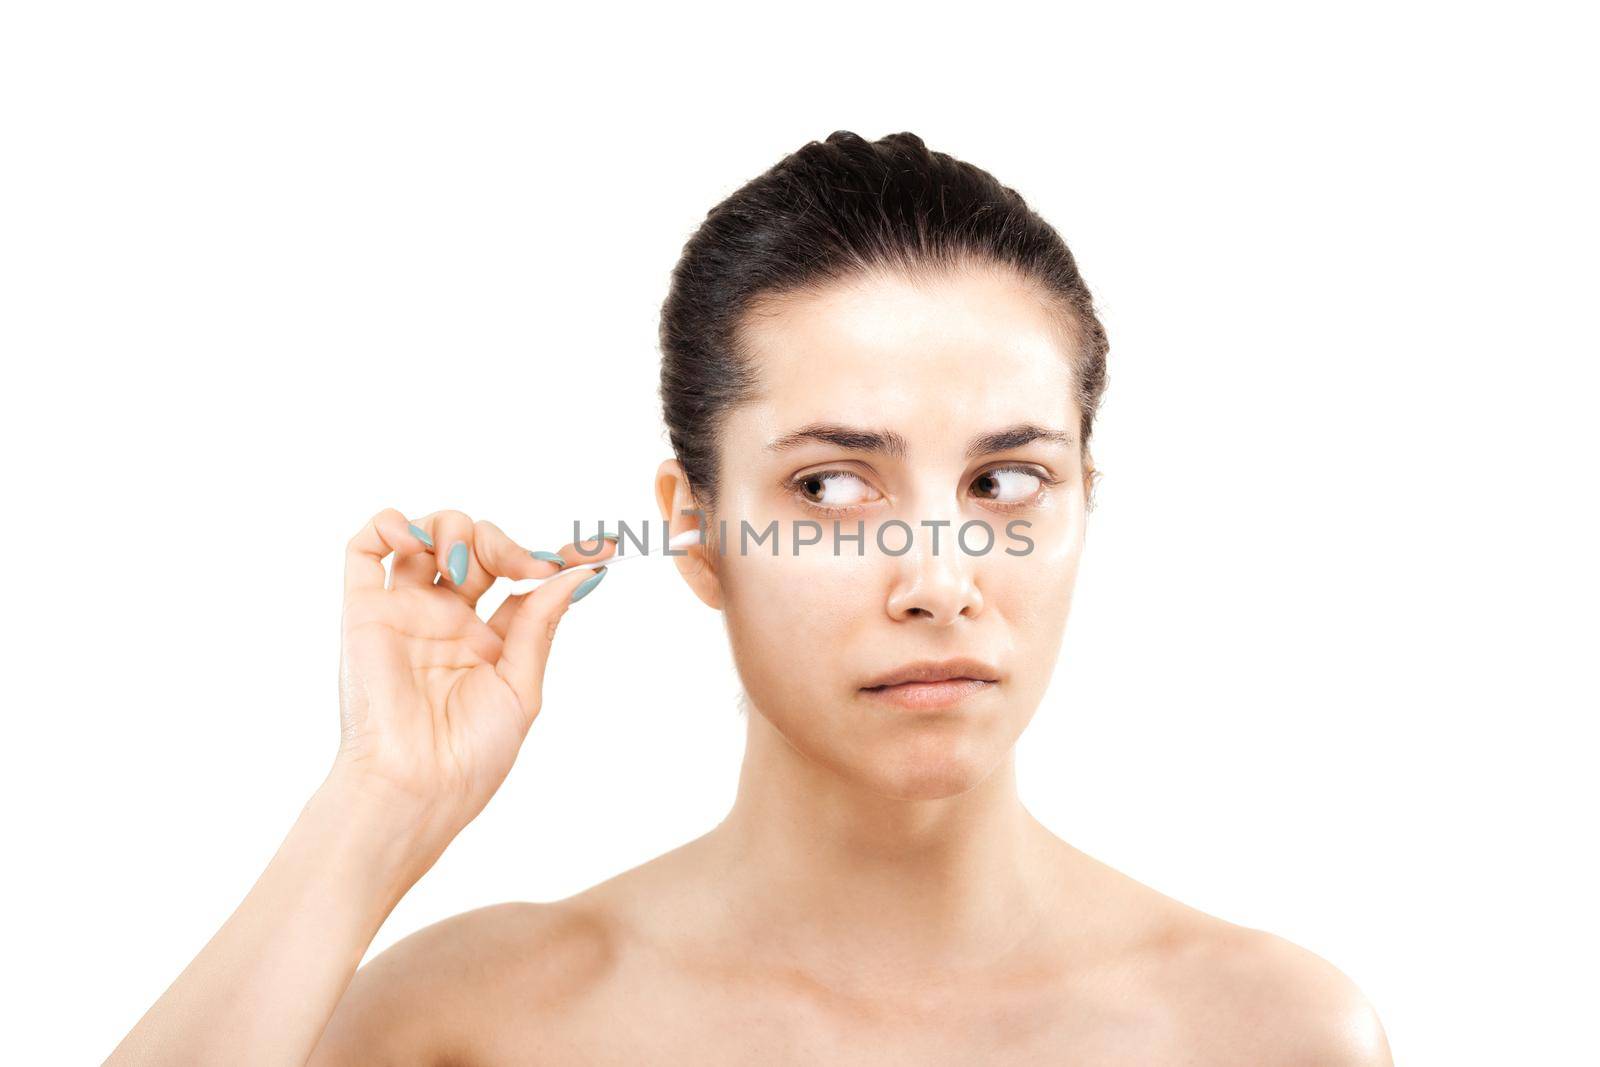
<point>1042,593</point>
<point>1033,595</point>
<point>790,619</point>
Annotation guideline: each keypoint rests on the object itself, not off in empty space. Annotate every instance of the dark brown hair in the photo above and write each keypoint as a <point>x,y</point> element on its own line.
<point>832,210</point>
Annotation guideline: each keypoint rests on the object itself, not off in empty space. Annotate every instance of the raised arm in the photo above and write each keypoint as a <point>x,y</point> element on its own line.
<point>435,704</point>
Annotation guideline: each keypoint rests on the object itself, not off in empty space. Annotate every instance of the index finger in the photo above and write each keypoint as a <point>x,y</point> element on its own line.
<point>499,555</point>
<point>387,531</point>
<point>491,554</point>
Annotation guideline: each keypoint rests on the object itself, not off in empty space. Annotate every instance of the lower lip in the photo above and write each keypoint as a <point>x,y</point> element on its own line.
<point>919,696</point>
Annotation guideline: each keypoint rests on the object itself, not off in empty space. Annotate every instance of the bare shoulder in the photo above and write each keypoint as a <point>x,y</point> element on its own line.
<point>433,996</point>
<point>1248,996</point>
<point>1187,986</point>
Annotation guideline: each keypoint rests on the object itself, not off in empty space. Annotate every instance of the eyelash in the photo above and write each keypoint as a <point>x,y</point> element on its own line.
<point>797,488</point>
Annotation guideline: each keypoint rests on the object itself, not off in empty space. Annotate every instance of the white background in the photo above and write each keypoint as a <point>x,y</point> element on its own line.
<point>265,270</point>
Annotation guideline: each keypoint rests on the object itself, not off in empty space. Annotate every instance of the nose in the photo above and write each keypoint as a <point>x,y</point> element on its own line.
<point>938,586</point>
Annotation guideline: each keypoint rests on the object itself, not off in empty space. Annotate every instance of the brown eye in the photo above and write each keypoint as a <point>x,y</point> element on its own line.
<point>833,489</point>
<point>1008,485</point>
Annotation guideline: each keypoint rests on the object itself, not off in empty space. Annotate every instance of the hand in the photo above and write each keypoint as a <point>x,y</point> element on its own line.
<point>435,702</point>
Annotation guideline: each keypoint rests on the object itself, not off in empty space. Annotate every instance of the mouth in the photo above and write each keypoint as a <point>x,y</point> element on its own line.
<point>927,695</point>
<point>929,684</point>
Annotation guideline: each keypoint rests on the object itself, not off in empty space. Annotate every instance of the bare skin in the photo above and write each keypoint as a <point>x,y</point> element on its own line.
<point>670,963</point>
<point>878,894</point>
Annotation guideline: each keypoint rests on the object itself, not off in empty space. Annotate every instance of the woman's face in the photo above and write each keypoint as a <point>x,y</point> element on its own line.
<point>945,368</point>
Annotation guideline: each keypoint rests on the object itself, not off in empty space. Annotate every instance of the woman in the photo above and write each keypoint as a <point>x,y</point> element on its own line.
<point>882,344</point>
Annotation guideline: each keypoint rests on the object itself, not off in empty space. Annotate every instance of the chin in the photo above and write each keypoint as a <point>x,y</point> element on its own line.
<point>932,765</point>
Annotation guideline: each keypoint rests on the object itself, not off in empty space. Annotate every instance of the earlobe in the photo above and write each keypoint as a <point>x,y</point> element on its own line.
<point>680,512</point>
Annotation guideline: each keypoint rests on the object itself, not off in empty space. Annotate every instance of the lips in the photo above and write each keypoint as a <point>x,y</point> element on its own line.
<point>929,671</point>
<point>947,694</point>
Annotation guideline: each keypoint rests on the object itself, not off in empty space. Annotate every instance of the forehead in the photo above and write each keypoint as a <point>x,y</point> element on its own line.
<point>932,357</point>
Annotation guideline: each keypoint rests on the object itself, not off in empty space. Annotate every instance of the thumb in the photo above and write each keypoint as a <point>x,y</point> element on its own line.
<point>532,629</point>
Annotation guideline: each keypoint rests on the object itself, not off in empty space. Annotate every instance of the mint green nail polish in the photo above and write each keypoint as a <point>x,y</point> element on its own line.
<point>458,562</point>
<point>549,557</point>
<point>613,538</point>
<point>587,585</point>
<point>420,534</point>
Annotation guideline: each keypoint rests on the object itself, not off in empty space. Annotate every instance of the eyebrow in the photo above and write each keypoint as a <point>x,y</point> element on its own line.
<point>889,443</point>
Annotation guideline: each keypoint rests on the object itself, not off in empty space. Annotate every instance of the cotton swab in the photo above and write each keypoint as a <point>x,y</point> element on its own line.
<point>528,585</point>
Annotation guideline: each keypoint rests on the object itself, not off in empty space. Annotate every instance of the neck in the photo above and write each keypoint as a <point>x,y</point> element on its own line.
<point>829,872</point>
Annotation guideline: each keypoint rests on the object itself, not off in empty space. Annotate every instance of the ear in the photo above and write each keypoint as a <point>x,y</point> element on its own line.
<point>1091,478</point>
<point>680,512</point>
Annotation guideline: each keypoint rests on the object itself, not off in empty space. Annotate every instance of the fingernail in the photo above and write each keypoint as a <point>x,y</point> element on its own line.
<point>420,534</point>
<point>587,585</point>
<point>549,557</point>
<point>613,538</point>
<point>458,562</point>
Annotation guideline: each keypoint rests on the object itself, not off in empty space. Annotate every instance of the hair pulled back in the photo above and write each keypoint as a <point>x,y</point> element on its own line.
<point>833,210</point>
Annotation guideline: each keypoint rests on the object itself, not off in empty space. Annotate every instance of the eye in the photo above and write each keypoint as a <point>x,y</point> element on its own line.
<point>1011,487</point>
<point>833,491</point>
